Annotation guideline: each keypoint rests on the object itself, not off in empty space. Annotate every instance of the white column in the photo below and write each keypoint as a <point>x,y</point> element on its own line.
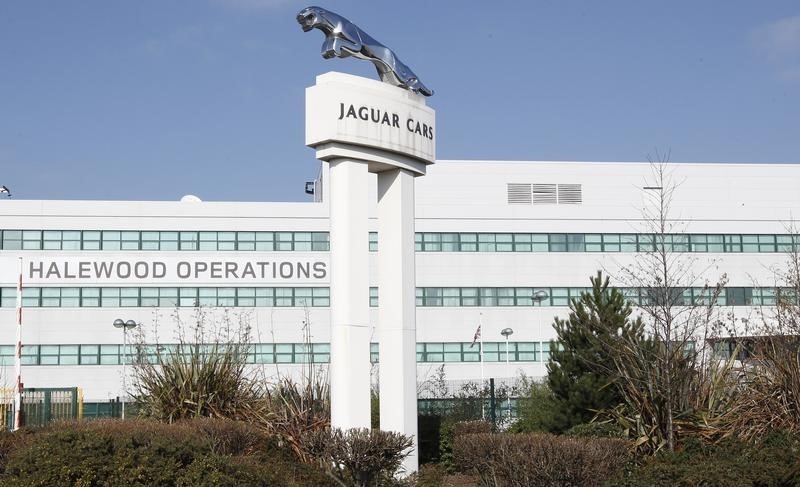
<point>397,310</point>
<point>349,283</point>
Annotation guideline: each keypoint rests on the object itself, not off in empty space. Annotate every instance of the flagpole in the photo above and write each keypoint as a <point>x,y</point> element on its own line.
<point>483,378</point>
<point>18,356</point>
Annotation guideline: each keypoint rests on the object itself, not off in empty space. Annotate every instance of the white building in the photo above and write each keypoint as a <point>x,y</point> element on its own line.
<point>489,235</point>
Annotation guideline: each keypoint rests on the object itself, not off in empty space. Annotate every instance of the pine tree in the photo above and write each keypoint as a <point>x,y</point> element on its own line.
<point>579,374</point>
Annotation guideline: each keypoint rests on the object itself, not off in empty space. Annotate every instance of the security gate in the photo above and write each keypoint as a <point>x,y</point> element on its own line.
<point>41,405</point>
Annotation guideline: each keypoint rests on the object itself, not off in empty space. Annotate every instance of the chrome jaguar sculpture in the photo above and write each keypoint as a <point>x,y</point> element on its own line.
<point>343,38</point>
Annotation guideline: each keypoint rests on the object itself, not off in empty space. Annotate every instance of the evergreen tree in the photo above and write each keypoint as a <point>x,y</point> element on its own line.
<point>579,374</point>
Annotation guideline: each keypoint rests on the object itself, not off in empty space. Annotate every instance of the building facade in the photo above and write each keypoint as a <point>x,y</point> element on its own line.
<point>498,244</point>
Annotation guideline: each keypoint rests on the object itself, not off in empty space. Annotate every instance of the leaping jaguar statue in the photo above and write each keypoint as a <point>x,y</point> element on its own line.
<point>343,38</point>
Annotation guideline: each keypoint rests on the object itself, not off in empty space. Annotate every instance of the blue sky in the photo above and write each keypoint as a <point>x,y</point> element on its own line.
<point>157,99</point>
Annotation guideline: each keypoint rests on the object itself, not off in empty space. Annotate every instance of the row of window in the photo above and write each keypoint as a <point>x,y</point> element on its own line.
<point>121,297</point>
<point>605,242</point>
<point>561,296</point>
<point>134,297</point>
<point>273,353</point>
<point>155,240</point>
<point>425,242</point>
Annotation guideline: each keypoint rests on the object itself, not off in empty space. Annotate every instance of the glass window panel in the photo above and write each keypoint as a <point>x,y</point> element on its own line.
<point>468,242</point>
<point>283,241</point>
<point>246,296</point>
<point>766,243</point>
<point>733,243</point>
<point>785,243</point>
<point>611,242</point>
<point>431,242</point>
<point>715,243</point>
<point>12,239</point>
<point>504,242</point>
<point>486,242</point>
<point>559,296</point>
<point>187,296</point>
<point>558,242</point>
<point>226,296</point>
<point>168,240</point>
<point>522,242</point>
<point>30,355</point>
<point>469,296</point>
<point>70,297</point>
<point>284,297</point>
<point>749,243</point>
<point>90,354</point>
<point>699,243</point>
<point>265,297</point>
<point>451,296</point>
<point>575,243</point>
<point>109,297</point>
<point>149,296</point>
<point>432,296</point>
<point>540,242</point>
<point>450,242</point>
<point>302,296</point>
<point>128,297</point>
<point>168,296</point>
<point>30,297</point>
<point>302,241</point>
<point>646,242</point>
<point>52,239</point>
<point>524,296</point>
<point>32,239</point>
<point>627,242</point>
<point>594,242</point>
<point>51,297</point>
<point>488,296</point>
<point>320,241</point>
<point>321,296</point>
<point>505,296</point>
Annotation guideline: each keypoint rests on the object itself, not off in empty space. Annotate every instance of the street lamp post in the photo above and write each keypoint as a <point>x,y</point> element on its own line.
<point>538,297</point>
<point>507,332</point>
<point>125,325</point>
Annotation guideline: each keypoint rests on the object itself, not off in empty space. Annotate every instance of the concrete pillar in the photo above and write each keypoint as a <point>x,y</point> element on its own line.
<point>350,365</point>
<point>397,328</point>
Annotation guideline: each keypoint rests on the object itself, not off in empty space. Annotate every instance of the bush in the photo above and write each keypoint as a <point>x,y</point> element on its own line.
<point>537,408</point>
<point>109,452</point>
<point>539,459</point>
<point>596,430</point>
<point>359,456</point>
<point>775,461</point>
<point>447,436</point>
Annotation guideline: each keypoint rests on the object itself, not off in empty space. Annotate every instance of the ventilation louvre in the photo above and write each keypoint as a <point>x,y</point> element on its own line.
<point>544,194</point>
<point>519,194</point>
<point>570,194</point>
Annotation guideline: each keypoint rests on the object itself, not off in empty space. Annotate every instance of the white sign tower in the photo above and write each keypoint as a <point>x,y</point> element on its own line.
<point>360,126</point>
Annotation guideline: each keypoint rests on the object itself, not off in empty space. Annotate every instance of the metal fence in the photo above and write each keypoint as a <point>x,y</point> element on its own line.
<point>41,405</point>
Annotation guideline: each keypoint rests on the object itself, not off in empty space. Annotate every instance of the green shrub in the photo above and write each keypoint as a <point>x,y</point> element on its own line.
<point>526,459</point>
<point>138,452</point>
<point>449,431</point>
<point>775,461</point>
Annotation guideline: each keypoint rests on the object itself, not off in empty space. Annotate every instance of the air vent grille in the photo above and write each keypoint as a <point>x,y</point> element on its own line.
<point>569,194</point>
<point>544,194</point>
<point>519,194</point>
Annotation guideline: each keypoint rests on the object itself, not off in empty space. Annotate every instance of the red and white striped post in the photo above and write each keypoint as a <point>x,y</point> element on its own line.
<point>18,356</point>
